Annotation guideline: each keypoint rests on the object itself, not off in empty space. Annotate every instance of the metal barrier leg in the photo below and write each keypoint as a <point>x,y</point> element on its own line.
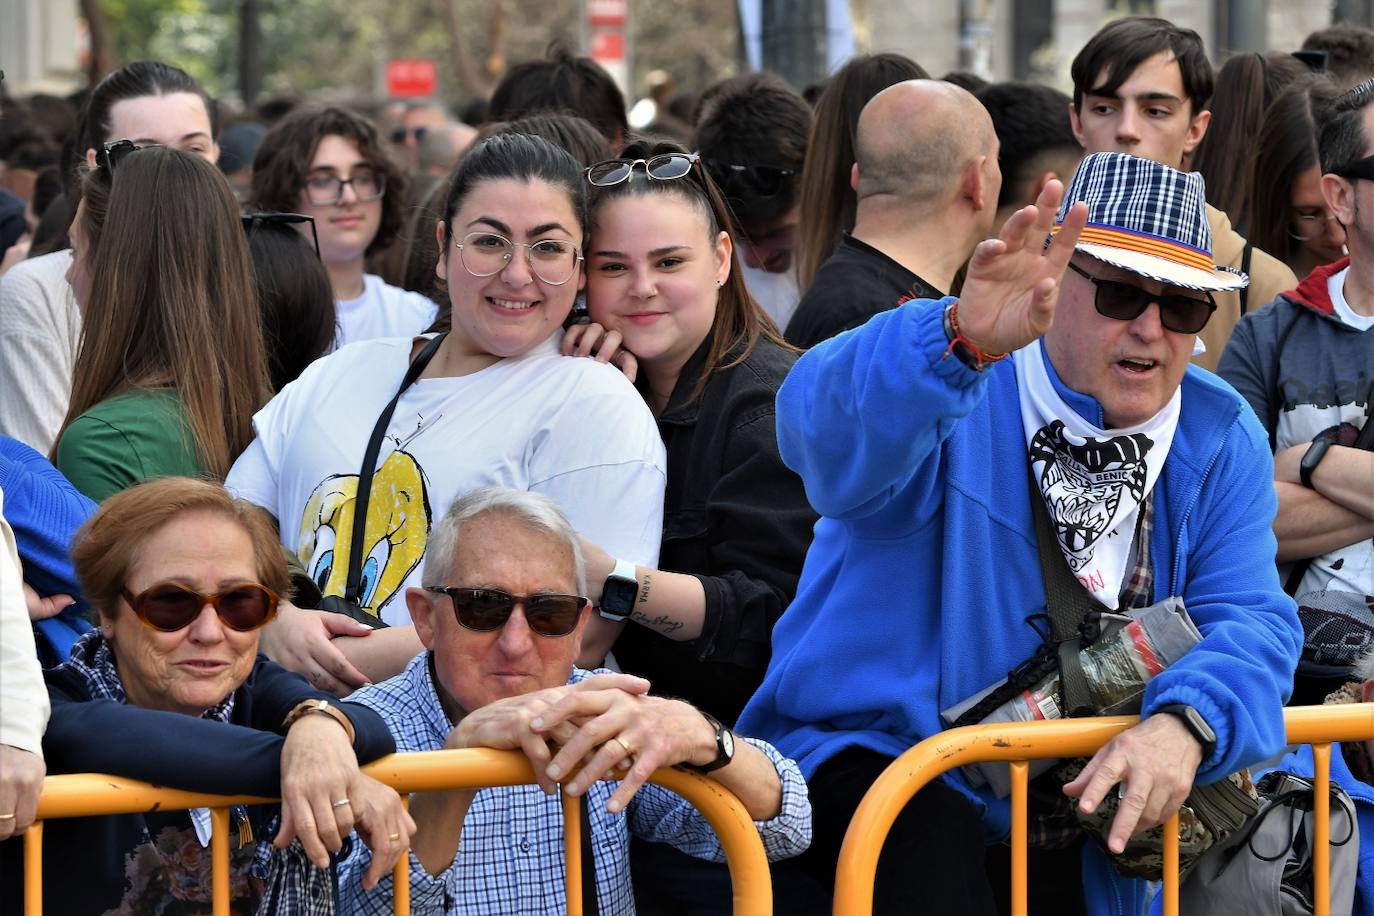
<point>1321,839</point>
<point>400,876</point>
<point>1020,780</point>
<point>1171,866</point>
<point>219,859</point>
<point>572,853</point>
<point>33,869</point>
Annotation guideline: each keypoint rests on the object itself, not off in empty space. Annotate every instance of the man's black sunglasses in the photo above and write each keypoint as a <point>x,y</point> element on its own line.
<point>251,221</point>
<point>486,609</point>
<point>1360,168</point>
<point>1126,301</point>
<point>762,180</point>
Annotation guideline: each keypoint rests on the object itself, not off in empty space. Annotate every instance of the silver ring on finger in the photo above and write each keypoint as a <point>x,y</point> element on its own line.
<point>339,803</point>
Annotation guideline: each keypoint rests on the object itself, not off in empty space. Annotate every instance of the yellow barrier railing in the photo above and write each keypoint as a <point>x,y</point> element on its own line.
<point>1020,742</point>
<point>93,794</point>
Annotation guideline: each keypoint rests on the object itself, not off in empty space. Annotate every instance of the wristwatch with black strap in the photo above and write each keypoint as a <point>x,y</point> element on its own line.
<point>1196,725</point>
<point>725,747</point>
<point>618,592</point>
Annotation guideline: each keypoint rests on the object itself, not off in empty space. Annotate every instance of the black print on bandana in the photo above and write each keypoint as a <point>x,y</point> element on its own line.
<point>1083,484</point>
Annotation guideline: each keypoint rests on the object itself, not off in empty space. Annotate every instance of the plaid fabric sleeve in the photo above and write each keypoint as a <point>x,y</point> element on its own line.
<point>429,894</point>
<point>663,817</point>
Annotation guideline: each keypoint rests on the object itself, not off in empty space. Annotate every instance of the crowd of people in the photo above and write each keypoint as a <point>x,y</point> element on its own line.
<point>765,442</point>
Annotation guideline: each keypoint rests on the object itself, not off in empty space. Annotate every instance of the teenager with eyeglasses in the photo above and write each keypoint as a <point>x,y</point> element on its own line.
<point>331,164</point>
<point>147,102</point>
<point>664,283</point>
<point>172,363</point>
<point>496,403</point>
<point>170,688</point>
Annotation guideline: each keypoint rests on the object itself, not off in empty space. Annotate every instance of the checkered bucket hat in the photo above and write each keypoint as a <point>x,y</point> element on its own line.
<point>1149,219</point>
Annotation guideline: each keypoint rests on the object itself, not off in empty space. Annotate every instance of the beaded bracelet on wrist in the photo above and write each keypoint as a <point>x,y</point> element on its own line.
<point>966,350</point>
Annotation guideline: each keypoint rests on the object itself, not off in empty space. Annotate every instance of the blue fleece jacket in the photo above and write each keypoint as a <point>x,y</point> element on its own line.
<point>924,565</point>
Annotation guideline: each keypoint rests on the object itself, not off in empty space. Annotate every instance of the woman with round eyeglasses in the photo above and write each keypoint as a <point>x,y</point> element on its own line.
<point>1289,217</point>
<point>170,689</point>
<point>331,164</point>
<point>495,404</point>
<point>662,277</point>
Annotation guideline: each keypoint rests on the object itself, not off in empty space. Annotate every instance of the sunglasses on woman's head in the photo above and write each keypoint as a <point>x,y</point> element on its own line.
<point>666,167</point>
<point>111,154</point>
<point>251,221</point>
<point>1126,302</point>
<point>486,609</point>
<point>169,607</point>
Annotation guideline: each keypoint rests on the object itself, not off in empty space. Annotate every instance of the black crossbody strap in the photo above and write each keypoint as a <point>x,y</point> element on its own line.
<point>374,447</point>
<point>1073,612</point>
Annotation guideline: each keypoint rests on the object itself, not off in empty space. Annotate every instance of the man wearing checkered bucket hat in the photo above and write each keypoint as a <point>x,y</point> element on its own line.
<point>926,437</point>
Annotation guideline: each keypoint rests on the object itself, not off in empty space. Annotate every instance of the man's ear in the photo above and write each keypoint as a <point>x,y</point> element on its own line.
<point>1340,198</point>
<point>1196,131</point>
<point>973,186</point>
<point>441,268</point>
<point>421,614</point>
<point>1077,126</point>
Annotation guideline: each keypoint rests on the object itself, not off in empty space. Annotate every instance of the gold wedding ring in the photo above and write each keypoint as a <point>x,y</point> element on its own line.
<point>394,836</point>
<point>629,751</point>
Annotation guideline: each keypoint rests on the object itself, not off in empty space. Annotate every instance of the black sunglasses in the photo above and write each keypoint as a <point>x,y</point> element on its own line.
<point>398,134</point>
<point>486,609</point>
<point>169,607</point>
<point>666,167</point>
<point>111,154</point>
<point>251,221</point>
<point>1360,168</point>
<point>1126,301</point>
<point>761,180</point>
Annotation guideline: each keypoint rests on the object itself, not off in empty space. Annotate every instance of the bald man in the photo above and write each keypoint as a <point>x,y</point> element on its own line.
<point>927,183</point>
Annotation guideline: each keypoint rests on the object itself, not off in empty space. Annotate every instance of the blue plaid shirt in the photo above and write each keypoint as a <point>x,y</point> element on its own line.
<point>510,854</point>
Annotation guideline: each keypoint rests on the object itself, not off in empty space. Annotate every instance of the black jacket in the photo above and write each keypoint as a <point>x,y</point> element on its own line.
<point>855,283</point>
<point>736,518</point>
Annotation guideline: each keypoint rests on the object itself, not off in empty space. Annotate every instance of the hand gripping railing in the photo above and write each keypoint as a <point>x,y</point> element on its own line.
<point>1020,742</point>
<point>94,794</point>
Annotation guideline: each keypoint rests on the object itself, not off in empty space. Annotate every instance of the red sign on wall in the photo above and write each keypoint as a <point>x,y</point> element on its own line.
<point>411,78</point>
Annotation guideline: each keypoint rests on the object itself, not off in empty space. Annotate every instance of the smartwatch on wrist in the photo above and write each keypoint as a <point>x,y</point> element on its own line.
<point>725,747</point>
<point>1196,725</point>
<point>1310,459</point>
<point>618,592</point>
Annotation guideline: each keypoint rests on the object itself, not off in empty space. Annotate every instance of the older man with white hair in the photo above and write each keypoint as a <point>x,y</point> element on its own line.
<point>501,616</point>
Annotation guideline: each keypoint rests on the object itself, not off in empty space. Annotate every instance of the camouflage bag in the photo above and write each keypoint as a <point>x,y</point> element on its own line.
<point>1210,815</point>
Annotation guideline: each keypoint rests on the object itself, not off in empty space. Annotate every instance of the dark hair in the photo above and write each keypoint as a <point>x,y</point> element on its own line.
<point>1284,148</point>
<point>828,202</point>
<point>739,321</point>
<point>133,81</point>
<point>1031,120</point>
<point>1341,137</point>
<point>295,300</point>
<point>1119,47</point>
<point>1349,51</point>
<point>561,82</point>
<point>966,80</point>
<point>171,299</point>
<point>564,129</point>
<point>282,164</point>
<point>1247,85</point>
<point>755,119</point>
<point>520,157</point>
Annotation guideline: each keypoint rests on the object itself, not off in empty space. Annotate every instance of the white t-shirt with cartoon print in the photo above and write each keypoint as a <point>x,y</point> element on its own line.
<point>573,429</point>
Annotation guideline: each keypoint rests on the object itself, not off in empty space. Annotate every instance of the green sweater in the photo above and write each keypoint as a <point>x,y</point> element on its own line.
<point>130,438</point>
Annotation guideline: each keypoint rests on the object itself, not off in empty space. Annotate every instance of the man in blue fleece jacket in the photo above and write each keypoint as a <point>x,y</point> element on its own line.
<point>922,449</point>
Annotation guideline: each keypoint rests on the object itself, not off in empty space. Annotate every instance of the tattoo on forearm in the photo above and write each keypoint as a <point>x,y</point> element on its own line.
<point>644,589</point>
<point>662,623</point>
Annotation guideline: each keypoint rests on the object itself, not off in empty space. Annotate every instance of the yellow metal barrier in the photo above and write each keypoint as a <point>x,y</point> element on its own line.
<point>93,794</point>
<point>1019,742</point>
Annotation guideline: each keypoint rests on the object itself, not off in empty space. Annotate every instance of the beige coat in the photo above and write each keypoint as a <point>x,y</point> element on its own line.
<point>1268,277</point>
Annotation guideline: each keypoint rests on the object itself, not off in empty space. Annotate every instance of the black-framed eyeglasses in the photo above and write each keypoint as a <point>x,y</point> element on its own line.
<point>760,180</point>
<point>1126,302</point>
<point>324,190</point>
<point>399,134</point>
<point>487,609</point>
<point>1360,168</point>
<point>251,222</point>
<point>111,154</point>
<point>667,167</point>
<point>486,253</point>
